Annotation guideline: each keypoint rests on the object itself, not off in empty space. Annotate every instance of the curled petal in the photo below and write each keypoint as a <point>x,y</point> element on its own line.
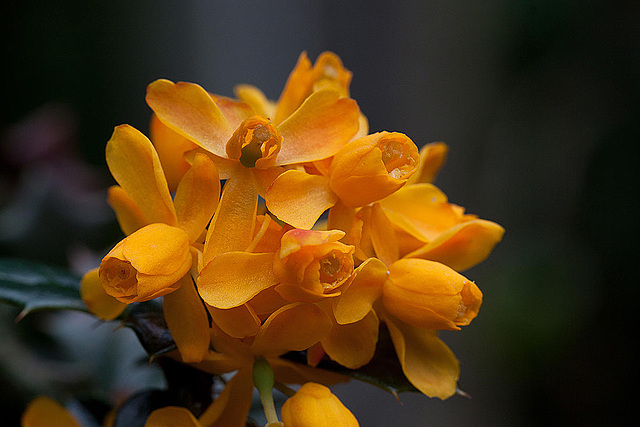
<point>373,167</point>
<point>463,246</point>
<point>197,196</point>
<point>238,322</point>
<point>187,320</point>
<point>233,278</point>
<point>97,300</point>
<point>354,344</point>
<point>319,128</point>
<point>365,289</point>
<point>171,416</point>
<point>190,111</point>
<point>294,327</point>
<point>296,88</point>
<point>134,164</point>
<point>311,193</point>
<point>426,361</point>
<point>130,217</point>
<point>432,157</point>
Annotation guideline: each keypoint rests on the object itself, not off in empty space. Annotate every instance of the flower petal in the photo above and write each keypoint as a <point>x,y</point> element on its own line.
<point>134,164</point>
<point>97,300</point>
<point>463,246</point>
<point>256,99</point>
<point>383,237</point>
<point>299,198</point>
<point>233,278</point>
<point>353,345</point>
<point>294,327</point>
<point>319,128</point>
<point>426,361</point>
<point>238,322</point>
<point>231,407</point>
<point>44,411</point>
<point>295,89</point>
<point>187,320</point>
<point>171,416</point>
<point>130,217</point>
<point>170,147</point>
<point>197,196</point>
<point>232,226</point>
<point>190,111</point>
<point>357,300</point>
<point>432,157</point>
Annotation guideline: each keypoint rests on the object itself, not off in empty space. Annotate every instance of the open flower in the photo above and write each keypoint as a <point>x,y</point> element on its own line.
<point>314,405</point>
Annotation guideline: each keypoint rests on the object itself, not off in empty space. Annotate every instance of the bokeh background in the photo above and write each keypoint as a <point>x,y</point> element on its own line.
<point>538,101</point>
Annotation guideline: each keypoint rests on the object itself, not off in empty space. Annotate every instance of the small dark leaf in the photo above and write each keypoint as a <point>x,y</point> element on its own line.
<point>383,371</point>
<point>147,321</point>
<point>33,286</point>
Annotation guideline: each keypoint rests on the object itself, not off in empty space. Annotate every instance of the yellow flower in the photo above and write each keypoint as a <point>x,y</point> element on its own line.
<point>314,405</point>
<point>430,295</point>
<point>312,265</point>
<point>44,411</point>
<point>147,264</point>
<point>364,171</point>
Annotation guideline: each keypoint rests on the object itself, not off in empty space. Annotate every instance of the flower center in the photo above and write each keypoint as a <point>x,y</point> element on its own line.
<point>121,276</point>
<point>396,157</point>
<point>255,143</point>
<point>333,269</point>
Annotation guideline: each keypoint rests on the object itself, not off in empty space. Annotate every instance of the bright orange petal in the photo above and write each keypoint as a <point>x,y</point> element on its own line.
<point>134,164</point>
<point>353,345</point>
<point>357,300</point>
<point>231,407</point>
<point>187,320</point>
<point>97,300</point>
<point>238,322</point>
<point>171,416</point>
<point>432,157</point>
<point>256,99</point>
<point>296,89</point>
<point>232,226</point>
<point>197,196</point>
<point>130,217</point>
<point>426,361</point>
<point>299,198</point>
<point>341,218</point>
<point>463,246</point>
<point>44,411</point>
<point>233,278</point>
<point>383,237</point>
<point>319,128</point>
<point>171,147</point>
<point>188,109</point>
<point>294,327</point>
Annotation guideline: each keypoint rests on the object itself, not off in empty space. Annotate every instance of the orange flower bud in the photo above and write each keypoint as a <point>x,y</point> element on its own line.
<point>146,264</point>
<point>312,262</point>
<point>430,295</point>
<point>256,143</point>
<point>329,72</point>
<point>314,405</point>
<point>373,167</point>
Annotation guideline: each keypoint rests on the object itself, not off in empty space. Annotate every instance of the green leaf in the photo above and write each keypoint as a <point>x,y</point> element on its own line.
<point>33,286</point>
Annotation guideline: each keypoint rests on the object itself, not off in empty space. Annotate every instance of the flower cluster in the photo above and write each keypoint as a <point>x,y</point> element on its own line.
<point>321,232</point>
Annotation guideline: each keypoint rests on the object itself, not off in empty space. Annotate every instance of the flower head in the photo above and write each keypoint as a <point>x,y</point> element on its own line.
<point>314,405</point>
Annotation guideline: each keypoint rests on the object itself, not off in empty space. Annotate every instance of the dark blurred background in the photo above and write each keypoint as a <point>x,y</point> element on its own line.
<point>538,101</point>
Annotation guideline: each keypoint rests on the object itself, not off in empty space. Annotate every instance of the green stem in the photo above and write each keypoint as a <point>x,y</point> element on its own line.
<point>263,379</point>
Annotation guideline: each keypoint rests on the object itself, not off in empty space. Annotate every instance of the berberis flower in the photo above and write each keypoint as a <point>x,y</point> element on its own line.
<point>248,288</point>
